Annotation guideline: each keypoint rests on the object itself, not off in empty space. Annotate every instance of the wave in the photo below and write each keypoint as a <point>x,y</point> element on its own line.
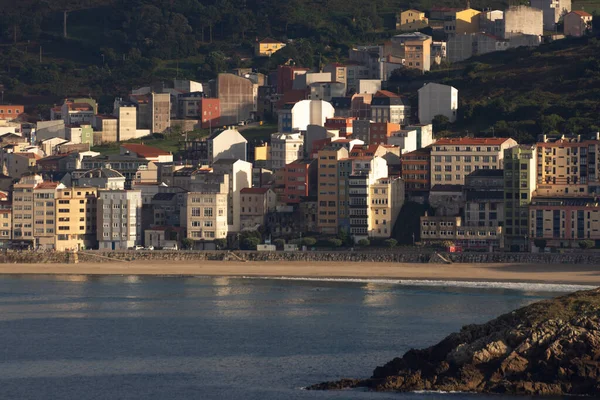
<point>521,286</point>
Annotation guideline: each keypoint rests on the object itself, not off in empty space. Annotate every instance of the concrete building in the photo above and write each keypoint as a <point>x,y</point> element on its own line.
<point>416,167</point>
<point>436,99</point>
<point>417,52</point>
<point>6,225</point>
<point>77,112</point>
<point>380,132</point>
<point>492,21</point>
<point>240,177</point>
<point>439,52</point>
<point>228,143</point>
<point>343,126</point>
<point>411,20</point>
<point>326,90</point>
<point>286,75</point>
<point>389,107</point>
<point>103,178</point>
<point>453,159</point>
<point>50,129</point>
<point>368,86</point>
<point>484,198</point>
<point>463,21</point>
<point>386,199</point>
<point>76,217</point>
<point>553,10</point>
<point>286,148</point>
<point>451,228</point>
<point>267,46</point>
<point>519,185</point>
<point>118,220</point>
<point>149,153</point>
<point>564,222</point>
<point>78,134</point>
<point>464,46</point>
<point>256,204</point>
<point>160,107</point>
<point>209,110</point>
<point>106,129</point>
<point>127,122</point>
<point>339,74</point>
<point>236,97</point>
<point>19,164</point>
<point>204,215</point>
<point>365,172</point>
<point>577,23</point>
<point>370,57</point>
<point>522,20</point>
<point>568,166</point>
<point>328,192</point>
<point>298,116</point>
<point>299,181</point>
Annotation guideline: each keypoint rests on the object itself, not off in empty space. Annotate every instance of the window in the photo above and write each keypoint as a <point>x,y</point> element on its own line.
<point>195,211</point>
<point>208,211</point>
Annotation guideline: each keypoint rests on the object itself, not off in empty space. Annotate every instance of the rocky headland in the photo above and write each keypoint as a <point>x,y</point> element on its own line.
<point>548,348</point>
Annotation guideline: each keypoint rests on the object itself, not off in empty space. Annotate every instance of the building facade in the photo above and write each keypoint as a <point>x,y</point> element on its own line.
<point>204,215</point>
<point>436,99</point>
<point>119,225</point>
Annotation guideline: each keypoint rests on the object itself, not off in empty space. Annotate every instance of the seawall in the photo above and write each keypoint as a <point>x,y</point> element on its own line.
<point>26,257</point>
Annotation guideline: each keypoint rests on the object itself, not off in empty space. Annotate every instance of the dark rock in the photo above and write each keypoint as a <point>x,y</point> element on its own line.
<point>549,348</point>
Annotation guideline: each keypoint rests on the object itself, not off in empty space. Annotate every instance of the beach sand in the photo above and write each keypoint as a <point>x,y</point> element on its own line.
<point>538,273</point>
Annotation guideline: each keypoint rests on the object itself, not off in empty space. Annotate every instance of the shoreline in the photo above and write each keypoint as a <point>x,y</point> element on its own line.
<point>565,274</point>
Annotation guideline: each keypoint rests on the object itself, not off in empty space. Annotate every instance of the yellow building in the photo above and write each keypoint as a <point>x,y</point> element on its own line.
<point>417,53</point>
<point>267,46</point>
<point>411,20</point>
<point>262,153</point>
<point>205,215</point>
<point>328,188</point>
<point>464,21</point>
<point>387,198</point>
<point>75,218</point>
<point>568,166</point>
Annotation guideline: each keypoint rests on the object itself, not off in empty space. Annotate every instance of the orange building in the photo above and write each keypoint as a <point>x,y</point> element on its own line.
<point>299,180</point>
<point>415,171</point>
<point>344,125</point>
<point>11,111</point>
<point>209,110</point>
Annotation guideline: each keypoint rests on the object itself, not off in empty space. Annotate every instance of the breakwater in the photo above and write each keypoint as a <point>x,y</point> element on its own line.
<point>587,258</point>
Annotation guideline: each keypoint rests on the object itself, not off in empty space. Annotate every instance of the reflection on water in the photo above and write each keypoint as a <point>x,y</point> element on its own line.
<point>71,337</point>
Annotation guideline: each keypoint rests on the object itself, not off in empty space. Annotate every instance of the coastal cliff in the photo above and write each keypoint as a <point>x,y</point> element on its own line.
<point>548,348</point>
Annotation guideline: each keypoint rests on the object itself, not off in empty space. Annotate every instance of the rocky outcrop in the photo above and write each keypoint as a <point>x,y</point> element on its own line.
<point>548,348</point>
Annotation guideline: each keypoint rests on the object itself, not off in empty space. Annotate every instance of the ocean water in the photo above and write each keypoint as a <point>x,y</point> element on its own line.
<point>129,337</point>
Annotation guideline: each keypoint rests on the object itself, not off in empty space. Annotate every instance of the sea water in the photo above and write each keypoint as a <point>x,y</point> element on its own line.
<point>130,337</point>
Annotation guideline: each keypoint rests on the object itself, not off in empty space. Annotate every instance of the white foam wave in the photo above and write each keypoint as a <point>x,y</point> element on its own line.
<point>521,286</point>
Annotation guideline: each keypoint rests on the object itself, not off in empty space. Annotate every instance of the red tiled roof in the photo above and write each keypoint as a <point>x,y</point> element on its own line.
<point>47,185</point>
<point>145,151</point>
<point>80,107</point>
<point>472,141</point>
<point>385,93</point>
<point>582,13</point>
<point>254,190</point>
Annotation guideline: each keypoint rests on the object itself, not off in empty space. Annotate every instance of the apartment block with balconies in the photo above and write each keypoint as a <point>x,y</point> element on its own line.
<point>76,218</point>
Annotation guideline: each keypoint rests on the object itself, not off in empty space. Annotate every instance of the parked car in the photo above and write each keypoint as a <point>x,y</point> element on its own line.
<point>137,247</point>
<point>174,247</point>
<point>149,248</point>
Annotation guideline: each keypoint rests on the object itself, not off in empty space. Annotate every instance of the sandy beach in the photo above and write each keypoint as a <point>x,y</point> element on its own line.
<point>554,273</point>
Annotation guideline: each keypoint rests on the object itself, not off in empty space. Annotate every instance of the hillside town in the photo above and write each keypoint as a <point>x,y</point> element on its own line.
<point>345,154</point>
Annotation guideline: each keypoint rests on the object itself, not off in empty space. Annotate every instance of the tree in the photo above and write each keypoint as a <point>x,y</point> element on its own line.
<point>540,243</point>
<point>187,244</point>
<point>440,123</point>
<point>334,242</point>
<point>364,242</point>
<point>220,244</point>
<point>390,243</point>
<point>586,244</point>
<point>309,241</point>
<point>250,243</point>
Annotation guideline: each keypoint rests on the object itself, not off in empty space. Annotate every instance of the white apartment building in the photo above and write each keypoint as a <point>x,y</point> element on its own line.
<point>204,215</point>
<point>453,159</point>
<point>240,177</point>
<point>297,117</point>
<point>118,219</point>
<point>286,148</point>
<point>436,99</point>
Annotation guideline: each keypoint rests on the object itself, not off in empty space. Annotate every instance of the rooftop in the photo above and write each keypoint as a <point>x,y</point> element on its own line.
<point>254,190</point>
<point>447,188</point>
<point>145,151</point>
<point>269,40</point>
<point>471,141</point>
<point>581,13</point>
<point>102,173</point>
